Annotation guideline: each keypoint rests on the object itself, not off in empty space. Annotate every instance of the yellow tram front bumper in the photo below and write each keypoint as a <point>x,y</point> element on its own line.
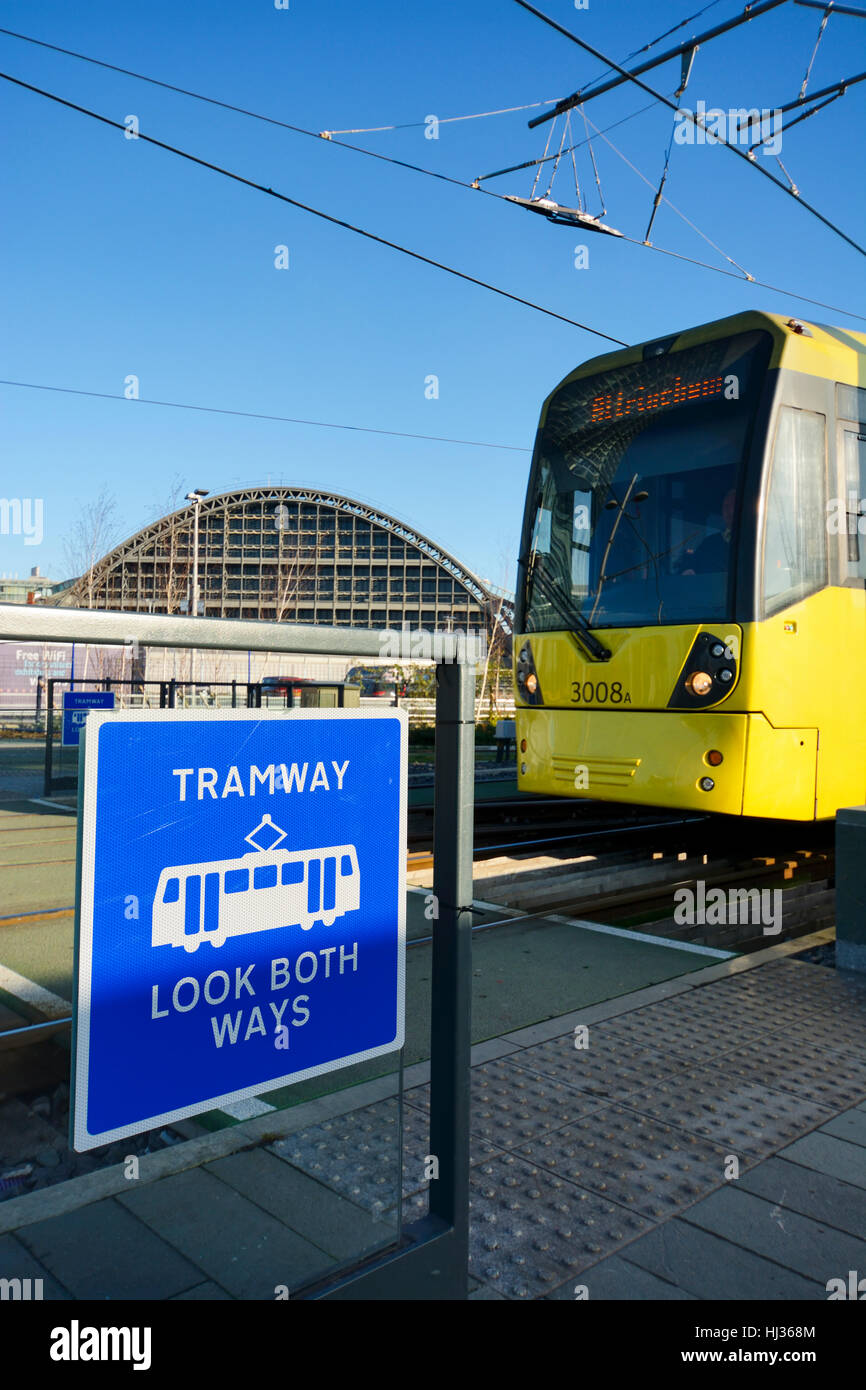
<point>660,759</point>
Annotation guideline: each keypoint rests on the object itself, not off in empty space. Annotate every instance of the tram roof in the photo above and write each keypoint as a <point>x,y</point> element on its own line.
<point>817,349</point>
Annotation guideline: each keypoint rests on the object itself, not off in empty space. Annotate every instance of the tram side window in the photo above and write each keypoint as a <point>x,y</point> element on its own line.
<point>237,880</point>
<point>854,512</point>
<point>795,547</point>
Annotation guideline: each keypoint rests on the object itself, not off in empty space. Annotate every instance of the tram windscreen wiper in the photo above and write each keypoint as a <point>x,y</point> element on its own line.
<point>575,621</point>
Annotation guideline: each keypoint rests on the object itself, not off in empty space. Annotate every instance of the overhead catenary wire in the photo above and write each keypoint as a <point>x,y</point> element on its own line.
<point>440,120</point>
<point>447,178</point>
<point>741,154</point>
<point>509,110</point>
<point>672,206</point>
<point>720,270</point>
<point>258,415</point>
<point>245,111</point>
<point>314,212</point>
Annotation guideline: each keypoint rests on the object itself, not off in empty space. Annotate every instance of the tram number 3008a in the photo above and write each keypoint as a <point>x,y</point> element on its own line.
<point>599,693</point>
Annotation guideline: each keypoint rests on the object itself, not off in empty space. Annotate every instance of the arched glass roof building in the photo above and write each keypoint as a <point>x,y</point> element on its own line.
<point>293,555</point>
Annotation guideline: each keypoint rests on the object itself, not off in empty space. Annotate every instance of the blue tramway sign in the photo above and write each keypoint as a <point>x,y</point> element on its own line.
<point>77,704</point>
<point>240,907</point>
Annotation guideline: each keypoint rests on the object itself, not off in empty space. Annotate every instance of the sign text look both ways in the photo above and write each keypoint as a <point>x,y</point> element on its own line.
<point>241,907</point>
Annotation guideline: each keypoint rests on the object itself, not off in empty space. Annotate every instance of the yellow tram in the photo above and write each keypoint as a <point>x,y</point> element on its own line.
<point>691,603</point>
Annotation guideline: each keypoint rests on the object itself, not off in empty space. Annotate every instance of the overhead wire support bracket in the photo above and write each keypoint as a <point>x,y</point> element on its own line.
<point>623,75</point>
<point>822,27</point>
<point>836,89</point>
<point>794,189</point>
<point>834,9</point>
<point>687,62</point>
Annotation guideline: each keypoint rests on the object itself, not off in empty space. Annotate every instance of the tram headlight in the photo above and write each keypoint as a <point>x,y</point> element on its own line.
<point>526,677</point>
<point>699,683</point>
<point>708,675</point>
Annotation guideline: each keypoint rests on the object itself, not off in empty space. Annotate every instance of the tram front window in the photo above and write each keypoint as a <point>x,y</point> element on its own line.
<point>636,488</point>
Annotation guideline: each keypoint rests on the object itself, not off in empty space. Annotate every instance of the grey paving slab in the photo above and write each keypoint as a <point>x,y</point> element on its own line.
<point>742,1114</point>
<point>829,1155</point>
<point>646,1166</point>
<point>850,1126</point>
<point>595,1013</point>
<point>102,1252</point>
<point>679,1032</point>
<point>841,1025</point>
<point>617,1278</point>
<point>712,1268</point>
<point>826,1075</point>
<point>792,1188</point>
<point>816,1251</point>
<point>510,1104</point>
<point>316,1212</point>
<point>482,1052</point>
<point>531,1230</point>
<point>17,1262</point>
<point>358,1154</point>
<point>801,987</point>
<point>608,1067</point>
<point>208,1292</point>
<point>243,1249</point>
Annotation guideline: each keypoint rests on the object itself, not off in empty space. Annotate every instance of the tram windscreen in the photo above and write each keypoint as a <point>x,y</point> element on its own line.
<point>636,489</point>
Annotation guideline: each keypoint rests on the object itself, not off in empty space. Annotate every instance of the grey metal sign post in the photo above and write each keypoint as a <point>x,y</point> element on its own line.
<point>431,1260</point>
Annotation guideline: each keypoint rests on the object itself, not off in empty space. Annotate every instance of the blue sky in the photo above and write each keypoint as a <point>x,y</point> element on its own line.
<point>121,259</point>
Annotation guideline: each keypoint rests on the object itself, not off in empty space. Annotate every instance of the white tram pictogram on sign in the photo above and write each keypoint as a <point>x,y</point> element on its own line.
<point>261,891</point>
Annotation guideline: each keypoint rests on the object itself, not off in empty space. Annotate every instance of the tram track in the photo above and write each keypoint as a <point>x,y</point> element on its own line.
<point>609,879</point>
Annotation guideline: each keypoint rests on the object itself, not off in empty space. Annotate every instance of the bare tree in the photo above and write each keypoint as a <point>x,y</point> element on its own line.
<point>172,568</point>
<point>283,588</point>
<point>92,535</point>
<point>174,499</point>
